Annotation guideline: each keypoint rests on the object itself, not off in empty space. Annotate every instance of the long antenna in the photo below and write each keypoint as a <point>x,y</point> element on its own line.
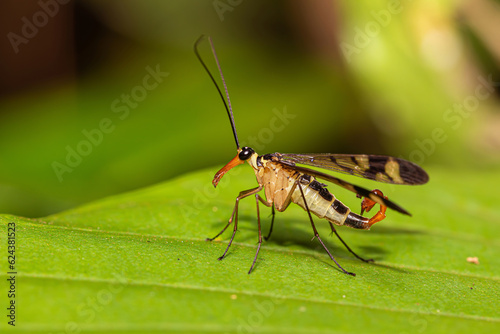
<point>228,109</point>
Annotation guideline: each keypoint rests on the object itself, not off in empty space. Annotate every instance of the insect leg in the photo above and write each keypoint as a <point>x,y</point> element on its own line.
<point>316,234</point>
<point>272,224</point>
<point>367,204</point>
<point>257,199</point>
<point>227,225</point>
<point>234,216</point>
<point>348,248</point>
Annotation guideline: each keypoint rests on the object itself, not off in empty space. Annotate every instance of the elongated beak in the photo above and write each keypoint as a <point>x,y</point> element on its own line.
<point>233,163</point>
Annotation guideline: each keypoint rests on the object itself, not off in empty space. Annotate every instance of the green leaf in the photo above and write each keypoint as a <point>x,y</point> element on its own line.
<point>139,262</point>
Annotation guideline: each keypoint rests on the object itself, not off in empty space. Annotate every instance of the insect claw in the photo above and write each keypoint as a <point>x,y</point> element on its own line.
<point>366,205</point>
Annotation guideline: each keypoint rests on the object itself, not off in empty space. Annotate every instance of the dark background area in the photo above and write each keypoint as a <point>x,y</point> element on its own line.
<point>356,77</point>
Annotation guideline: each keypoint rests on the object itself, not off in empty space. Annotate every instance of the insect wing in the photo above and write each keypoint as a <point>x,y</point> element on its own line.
<point>373,167</point>
<point>351,187</point>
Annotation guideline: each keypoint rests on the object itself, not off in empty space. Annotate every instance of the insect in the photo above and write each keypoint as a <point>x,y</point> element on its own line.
<point>284,182</point>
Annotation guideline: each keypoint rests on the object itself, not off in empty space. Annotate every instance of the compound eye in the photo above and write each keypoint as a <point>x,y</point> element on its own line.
<point>246,152</point>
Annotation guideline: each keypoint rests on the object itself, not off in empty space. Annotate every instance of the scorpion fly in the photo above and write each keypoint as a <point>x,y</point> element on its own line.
<point>284,182</point>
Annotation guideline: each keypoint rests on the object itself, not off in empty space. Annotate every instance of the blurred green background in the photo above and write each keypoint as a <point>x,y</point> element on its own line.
<point>414,79</point>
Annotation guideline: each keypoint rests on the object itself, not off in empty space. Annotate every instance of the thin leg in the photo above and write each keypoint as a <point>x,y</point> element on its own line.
<point>235,209</point>
<point>257,199</point>
<point>316,234</point>
<point>348,248</point>
<point>234,216</point>
<point>272,224</point>
<point>229,223</point>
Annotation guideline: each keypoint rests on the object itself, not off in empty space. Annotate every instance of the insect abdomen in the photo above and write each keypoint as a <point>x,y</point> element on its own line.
<point>324,204</point>
<point>319,200</point>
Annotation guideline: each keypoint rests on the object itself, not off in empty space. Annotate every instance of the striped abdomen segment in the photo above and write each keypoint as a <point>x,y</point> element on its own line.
<point>324,204</point>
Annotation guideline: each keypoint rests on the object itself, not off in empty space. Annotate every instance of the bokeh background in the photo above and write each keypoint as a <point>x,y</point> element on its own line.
<point>415,79</point>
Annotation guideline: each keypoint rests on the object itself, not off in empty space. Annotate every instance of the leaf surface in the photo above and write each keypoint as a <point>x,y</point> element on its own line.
<point>139,262</point>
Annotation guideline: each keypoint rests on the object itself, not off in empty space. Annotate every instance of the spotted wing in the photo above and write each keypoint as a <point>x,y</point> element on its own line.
<point>373,167</point>
<point>349,186</point>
